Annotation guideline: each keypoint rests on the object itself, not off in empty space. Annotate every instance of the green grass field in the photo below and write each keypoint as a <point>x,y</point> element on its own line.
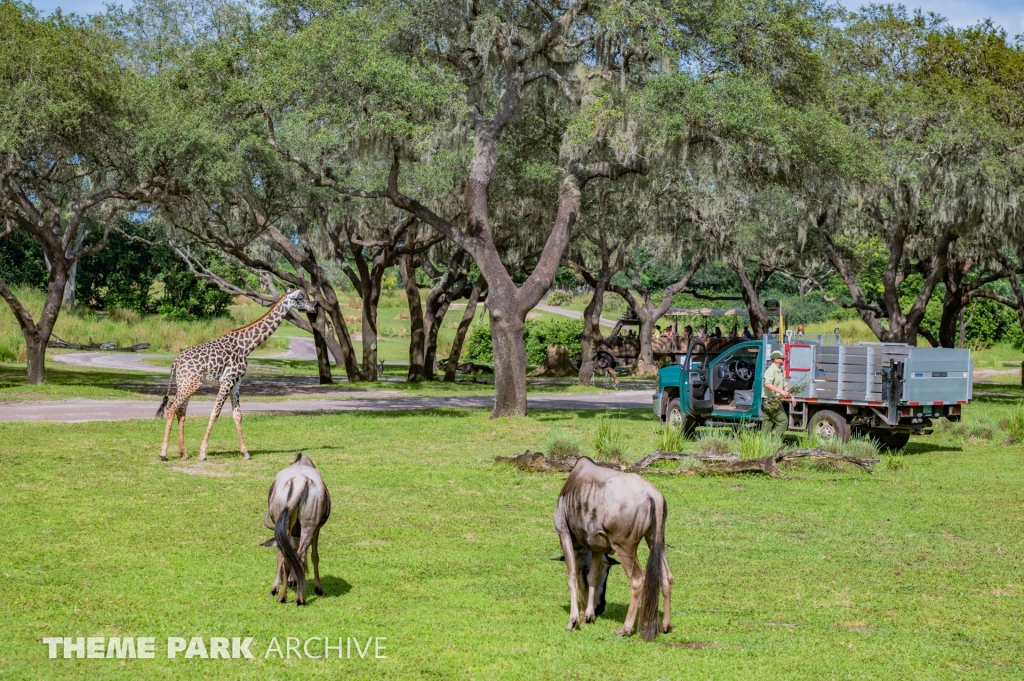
<point>913,572</point>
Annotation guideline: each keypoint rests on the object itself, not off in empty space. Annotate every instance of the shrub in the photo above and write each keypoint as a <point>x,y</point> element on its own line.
<point>559,297</point>
<point>479,347</point>
<point>562,444</point>
<point>895,462</point>
<point>609,442</point>
<point>540,334</point>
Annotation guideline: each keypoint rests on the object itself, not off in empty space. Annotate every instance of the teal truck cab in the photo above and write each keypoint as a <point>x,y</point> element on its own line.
<point>886,391</point>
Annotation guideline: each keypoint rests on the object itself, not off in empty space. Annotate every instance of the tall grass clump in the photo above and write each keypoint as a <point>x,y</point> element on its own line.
<point>1014,426</point>
<point>716,442</point>
<point>756,443</point>
<point>671,439</point>
<point>609,442</point>
<point>562,444</point>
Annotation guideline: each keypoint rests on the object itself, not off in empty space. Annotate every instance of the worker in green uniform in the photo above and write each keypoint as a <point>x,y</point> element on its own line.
<point>772,395</point>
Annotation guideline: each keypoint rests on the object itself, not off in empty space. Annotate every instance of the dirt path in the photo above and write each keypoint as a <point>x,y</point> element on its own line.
<point>111,360</point>
<point>81,410</point>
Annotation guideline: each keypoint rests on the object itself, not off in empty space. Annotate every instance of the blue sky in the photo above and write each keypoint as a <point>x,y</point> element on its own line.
<point>1008,13</point>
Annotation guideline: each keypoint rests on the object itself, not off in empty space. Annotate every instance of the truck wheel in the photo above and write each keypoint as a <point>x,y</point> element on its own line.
<point>677,418</point>
<point>605,361</point>
<point>887,439</point>
<point>828,425</point>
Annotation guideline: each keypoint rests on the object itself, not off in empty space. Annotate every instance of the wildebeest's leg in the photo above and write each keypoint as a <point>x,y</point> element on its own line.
<point>309,535</point>
<point>277,575</point>
<point>317,589</point>
<point>593,578</point>
<point>570,566</point>
<point>181,429</point>
<point>283,597</point>
<point>631,565</point>
<point>666,591</point>
<point>222,396</point>
<point>236,412</point>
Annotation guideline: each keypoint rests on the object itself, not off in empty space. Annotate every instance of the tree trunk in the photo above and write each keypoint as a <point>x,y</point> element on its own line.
<point>509,360</point>
<point>433,329</point>
<point>371,298</point>
<point>645,362</point>
<point>949,323</point>
<point>36,356</point>
<point>323,358</point>
<point>460,334</point>
<point>416,331</point>
<point>591,319</point>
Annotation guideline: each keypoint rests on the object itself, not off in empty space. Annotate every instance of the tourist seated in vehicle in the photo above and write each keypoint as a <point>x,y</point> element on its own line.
<point>717,333</point>
<point>746,333</point>
<point>657,332</point>
<point>688,332</point>
<point>702,333</point>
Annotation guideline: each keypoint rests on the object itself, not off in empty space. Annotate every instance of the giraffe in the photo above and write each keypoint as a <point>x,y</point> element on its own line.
<point>221,361</point>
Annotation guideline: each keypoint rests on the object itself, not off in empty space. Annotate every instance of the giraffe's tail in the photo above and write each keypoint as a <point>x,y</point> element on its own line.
<point>163,405</point>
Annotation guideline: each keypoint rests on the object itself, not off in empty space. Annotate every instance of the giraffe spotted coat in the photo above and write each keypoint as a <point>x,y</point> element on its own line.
<point>221,362</point>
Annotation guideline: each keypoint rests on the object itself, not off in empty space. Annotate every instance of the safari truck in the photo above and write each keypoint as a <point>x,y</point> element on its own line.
<point>886,391</point>
<point>621,348</point>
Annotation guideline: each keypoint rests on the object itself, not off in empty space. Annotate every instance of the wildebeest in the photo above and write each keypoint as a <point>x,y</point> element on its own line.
<point>298,505</point>
<point>601,511</point>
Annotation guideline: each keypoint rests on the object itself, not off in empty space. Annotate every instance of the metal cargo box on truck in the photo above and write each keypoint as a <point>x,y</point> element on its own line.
<point>938,376</point>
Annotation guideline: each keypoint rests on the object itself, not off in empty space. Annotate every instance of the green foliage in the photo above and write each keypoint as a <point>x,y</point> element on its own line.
<point>538,334</point>
<point>479,346</point>
<point>121,275</point>
<point>21,261</point>
<point>187,298</point>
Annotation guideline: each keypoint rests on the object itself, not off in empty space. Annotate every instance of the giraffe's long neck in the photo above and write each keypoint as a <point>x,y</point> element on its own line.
<point>262,328</point>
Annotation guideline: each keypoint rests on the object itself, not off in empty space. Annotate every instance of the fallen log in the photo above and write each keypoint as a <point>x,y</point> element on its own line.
<point>714,464</point>
<point>109,346</point>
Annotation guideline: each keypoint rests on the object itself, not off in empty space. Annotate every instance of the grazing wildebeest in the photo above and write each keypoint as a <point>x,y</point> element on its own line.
<point>600,511</point>
<point>298,504</point>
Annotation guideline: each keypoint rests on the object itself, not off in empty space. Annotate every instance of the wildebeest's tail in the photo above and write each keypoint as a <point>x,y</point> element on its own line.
<point>163,405</point>
<point>648,619</point>
<point>284,543</point>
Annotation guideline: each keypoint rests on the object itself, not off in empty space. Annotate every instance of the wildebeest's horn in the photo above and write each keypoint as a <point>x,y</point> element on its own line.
<point>561,558</point>
<point>270,542</point>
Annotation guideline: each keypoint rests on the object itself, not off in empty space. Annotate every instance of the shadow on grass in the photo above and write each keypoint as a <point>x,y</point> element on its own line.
<point>334,586</point>
<point>914,448</point>
<point>612,611</point>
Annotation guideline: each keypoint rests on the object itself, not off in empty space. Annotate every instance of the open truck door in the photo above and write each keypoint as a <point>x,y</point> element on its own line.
<point>700,399</point>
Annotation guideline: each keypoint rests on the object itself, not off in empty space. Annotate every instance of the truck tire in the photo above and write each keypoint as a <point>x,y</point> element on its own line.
<point>887,439</point>
<point>675,417</point>
<point>605,361</point>
<point>828,425</point>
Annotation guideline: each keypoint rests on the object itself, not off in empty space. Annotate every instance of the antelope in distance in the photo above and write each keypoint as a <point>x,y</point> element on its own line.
<point>602,511</point>
<point>222,362</point>
<point>298,505</point>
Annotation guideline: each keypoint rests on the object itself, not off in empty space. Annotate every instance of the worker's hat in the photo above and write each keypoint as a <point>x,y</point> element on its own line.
<point>777,355</point>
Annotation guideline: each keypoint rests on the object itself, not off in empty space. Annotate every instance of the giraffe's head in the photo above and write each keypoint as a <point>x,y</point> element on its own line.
<point>296,300</point>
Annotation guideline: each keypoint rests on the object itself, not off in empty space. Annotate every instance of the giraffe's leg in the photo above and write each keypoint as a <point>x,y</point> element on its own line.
<point>181,429</point>
<point>222,396</point>
<point>172,410</point>
<point>236,412</point>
